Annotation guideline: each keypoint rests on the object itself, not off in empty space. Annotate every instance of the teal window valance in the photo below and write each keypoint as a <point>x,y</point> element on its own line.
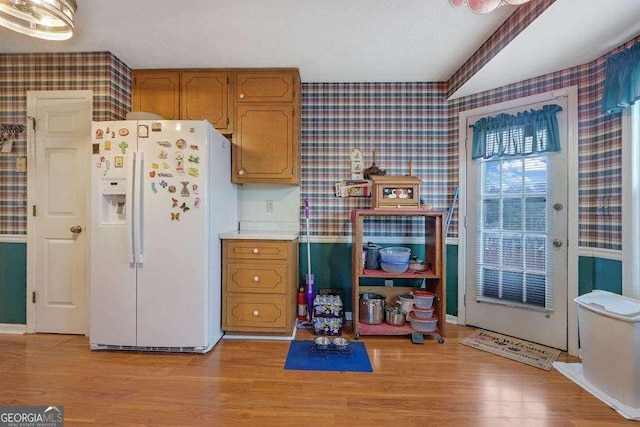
<point>528,132</point>
<point>622,82</point>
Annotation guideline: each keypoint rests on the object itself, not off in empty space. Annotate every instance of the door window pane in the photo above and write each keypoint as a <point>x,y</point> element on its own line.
<point>535,175</point>
<point>512,286</point>
<point>490,283</point>
<point>536,289</point>
<point>491,249</point>
<point>512,176</point>
<point>536,218</point>
<point>491,213</point>
<point>536,253</point>
<point>512,251</point>
<point>512,214</point>
<point>491,179</point>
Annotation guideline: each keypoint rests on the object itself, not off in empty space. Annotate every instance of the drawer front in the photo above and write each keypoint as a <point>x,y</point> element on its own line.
<point>257,278</point>
<point>257,311</point>
<point>257,249</point>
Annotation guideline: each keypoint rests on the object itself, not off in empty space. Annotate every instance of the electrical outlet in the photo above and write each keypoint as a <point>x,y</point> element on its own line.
<point>270,206</point>
<point>388,283</point>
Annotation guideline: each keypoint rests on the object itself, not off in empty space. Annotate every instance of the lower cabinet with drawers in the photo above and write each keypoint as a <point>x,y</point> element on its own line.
<point>259,286</point>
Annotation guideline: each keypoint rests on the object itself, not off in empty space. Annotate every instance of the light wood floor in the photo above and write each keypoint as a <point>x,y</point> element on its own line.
<point>244,383</point>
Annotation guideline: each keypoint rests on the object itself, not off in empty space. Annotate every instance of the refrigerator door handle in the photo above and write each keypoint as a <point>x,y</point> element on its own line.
<point>137,216</point>
<point>129,214</point>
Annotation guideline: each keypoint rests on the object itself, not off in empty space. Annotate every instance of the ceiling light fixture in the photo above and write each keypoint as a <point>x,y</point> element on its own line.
<point>44,19</point>
<point>485,6</point>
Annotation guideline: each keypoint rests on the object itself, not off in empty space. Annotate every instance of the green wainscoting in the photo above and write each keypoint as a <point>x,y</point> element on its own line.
<point>13,283</point>
<point>599,273</point>
<point>330,264</point>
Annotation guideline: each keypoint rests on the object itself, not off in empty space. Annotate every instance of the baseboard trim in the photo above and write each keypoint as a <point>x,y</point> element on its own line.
<point>10,328</point>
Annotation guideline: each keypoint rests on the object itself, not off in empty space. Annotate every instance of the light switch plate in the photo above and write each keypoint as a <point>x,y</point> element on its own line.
<point>21,164</point>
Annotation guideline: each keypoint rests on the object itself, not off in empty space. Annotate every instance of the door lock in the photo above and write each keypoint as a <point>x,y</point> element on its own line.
<point>557,243</point>
<point>76,229</point>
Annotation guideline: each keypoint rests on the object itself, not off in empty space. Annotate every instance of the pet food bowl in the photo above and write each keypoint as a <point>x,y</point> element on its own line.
<point>322,342</point>
<point>340,343</point>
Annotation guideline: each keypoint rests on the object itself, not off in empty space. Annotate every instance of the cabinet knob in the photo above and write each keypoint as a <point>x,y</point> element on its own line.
<point>398,206</point>
<point>255,313</point>
<point>242,96</point>
<point>256,279</point>
<point>241,172</point>
<point>256,250</point>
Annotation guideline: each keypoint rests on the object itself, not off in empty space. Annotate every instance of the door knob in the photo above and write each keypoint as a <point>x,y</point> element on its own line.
<point>76,229</point>
<point>557,243</point>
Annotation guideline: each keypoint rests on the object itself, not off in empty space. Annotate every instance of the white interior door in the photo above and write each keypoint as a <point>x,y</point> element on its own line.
<point>516,250</point>
<point>60,135</point>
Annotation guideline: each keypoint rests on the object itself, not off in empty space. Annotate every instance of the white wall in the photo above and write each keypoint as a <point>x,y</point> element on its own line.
<point>252,206</point>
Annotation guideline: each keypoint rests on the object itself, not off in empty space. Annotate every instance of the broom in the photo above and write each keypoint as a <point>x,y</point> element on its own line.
<point>310,285</point>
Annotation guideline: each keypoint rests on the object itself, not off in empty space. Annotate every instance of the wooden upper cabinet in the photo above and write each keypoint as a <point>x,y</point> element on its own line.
<point>157,92</point>
<point>257,86</point>
<point>205,96</point>
<point>259,106</point>
<point>185,95</point>
<point>263,144</point>
<point>266,135</point>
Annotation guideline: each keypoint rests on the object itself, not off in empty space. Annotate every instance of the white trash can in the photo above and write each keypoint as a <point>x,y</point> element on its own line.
<point>609,327</point>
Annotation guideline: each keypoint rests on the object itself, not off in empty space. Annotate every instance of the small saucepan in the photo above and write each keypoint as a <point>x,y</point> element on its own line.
<point>395,316</point>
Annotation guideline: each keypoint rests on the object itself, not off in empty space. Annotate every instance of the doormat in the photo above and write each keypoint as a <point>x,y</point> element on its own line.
<point>516,349</point>
<point>300,358</point>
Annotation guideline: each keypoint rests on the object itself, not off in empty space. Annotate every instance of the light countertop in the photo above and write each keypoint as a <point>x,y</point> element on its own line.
<point>261,235</point>
<point>264,230</point>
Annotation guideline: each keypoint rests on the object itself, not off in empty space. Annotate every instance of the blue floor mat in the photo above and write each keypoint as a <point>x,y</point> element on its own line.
<point>301,359</point>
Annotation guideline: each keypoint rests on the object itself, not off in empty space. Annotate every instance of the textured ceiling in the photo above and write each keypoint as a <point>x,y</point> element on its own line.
<point>341,41</point>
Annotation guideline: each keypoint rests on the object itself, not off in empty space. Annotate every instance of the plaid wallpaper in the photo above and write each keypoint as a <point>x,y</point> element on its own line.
<point>401,122</point>
<point>414,121</point>
<point>101,72</point>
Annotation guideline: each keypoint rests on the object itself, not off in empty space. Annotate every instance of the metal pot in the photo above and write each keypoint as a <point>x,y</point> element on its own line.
<point>371,308</point>
<point>372,259</point>
<point>395,316</point>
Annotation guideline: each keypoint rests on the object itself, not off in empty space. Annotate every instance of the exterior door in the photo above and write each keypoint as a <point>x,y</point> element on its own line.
<point>517,242</point>
<point>59,153</point>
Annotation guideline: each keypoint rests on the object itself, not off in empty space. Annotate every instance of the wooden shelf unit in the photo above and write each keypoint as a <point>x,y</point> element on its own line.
<point>435,277</point>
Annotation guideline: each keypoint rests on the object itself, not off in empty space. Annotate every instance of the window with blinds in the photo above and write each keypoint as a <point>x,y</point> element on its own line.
<point>513,231</point>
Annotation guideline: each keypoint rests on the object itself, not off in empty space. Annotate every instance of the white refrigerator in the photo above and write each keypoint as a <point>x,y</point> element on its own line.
<point>161,195</point>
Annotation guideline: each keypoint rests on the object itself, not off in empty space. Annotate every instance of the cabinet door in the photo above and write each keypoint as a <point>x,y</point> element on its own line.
<point>157,92</point>
<point>265,87</point>
<point>263,144</point>
<point>205,96</point>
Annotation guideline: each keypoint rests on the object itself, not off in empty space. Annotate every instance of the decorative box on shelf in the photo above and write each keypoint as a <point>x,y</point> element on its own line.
<point>395,192</point>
